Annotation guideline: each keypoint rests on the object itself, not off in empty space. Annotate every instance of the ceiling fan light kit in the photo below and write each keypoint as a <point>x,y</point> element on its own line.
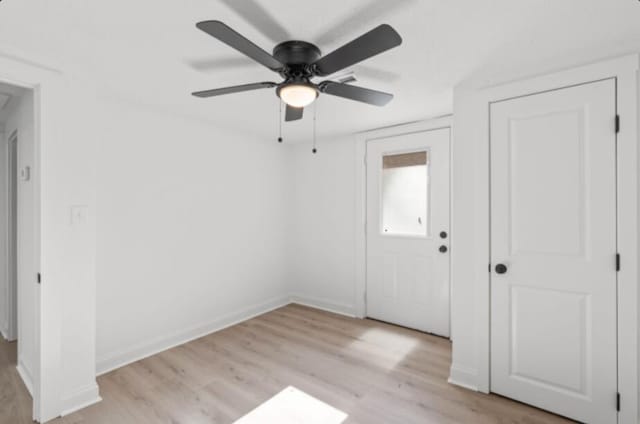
<point>298,62</point>
<point>297,94</point>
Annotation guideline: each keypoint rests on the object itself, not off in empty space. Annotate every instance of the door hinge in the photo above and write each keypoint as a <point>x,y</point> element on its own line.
<point>618,402</point>
<point>39,278</point>
<point>617,124</point>
<point>489,266</point>
<point>617,262</point>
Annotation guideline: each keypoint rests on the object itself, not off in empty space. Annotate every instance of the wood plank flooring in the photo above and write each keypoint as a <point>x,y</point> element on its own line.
<point>374,372</point>
<point>15,400</point>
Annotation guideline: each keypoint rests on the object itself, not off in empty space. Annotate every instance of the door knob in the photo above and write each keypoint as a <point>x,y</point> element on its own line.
<point>443,249</point>
<point>501,268</point>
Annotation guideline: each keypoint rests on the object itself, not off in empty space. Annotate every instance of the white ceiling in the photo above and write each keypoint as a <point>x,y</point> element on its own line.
<point>150,52</point>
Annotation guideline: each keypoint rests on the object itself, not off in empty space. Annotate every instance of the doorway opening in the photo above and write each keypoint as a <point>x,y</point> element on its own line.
<point>18,260</point>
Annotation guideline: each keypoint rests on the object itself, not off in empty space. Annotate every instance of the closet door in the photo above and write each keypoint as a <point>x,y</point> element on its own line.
<point>553,251</point>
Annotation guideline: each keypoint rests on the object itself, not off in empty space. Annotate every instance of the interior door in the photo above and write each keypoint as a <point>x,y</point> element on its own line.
<point>553,251</point>
<point>408,230</point>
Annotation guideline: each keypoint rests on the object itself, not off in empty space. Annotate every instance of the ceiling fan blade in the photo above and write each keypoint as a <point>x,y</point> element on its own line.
<point>365,95</point>
<point>233,89</point>
<point>231,38</point>
<point>374,42</point>
<point>293,113</point>
<point>260,18</point>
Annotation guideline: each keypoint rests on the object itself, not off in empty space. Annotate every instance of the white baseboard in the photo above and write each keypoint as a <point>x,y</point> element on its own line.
<point>324,304</point>
<point>145,349</point>
<point>83,397</point>
<point>463,377</point>
<point>26,376</point>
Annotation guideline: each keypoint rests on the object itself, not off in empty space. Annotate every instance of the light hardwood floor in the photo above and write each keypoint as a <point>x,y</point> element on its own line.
<point>374,372</point>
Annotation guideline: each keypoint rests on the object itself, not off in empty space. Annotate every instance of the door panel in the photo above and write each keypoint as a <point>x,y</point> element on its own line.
<point>553,225</point>
<point>407,208</point>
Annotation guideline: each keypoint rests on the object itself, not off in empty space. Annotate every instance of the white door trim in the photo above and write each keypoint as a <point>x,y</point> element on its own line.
<point>625,71</point>
<point>12,288</point>
<point>361,195</point>
<point>48,364</point>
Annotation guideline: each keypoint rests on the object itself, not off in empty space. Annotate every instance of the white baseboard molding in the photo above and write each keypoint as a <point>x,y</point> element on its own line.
<point>324,304</point>
<point>26,376</point>
<point>83,397</point>
<point>148,348</point>
<point>463,377</point>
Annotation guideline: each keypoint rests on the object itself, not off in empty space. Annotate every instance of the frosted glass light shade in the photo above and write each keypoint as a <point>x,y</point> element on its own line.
<point>298,95</point>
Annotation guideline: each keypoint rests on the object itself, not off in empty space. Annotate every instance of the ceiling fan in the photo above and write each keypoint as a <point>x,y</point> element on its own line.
<point>298,62</point>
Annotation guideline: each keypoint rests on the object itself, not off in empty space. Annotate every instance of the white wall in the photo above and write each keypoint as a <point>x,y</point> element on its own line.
<point>192,224</point>
<point>66,157</point>
<point>322,230</point>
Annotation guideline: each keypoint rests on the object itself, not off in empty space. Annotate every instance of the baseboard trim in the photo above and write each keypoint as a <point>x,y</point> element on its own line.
<point>83,397</point>
<point>324,304</point>
<point>26,377</point>
<point>143,350</point>
<point>463,377</point>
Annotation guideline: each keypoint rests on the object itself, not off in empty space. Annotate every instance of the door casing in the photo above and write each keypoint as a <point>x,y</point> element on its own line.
<point>625,71</point>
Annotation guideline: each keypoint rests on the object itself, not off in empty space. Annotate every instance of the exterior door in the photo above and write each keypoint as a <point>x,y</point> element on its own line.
<point>408,230</point>
<point>553,251</point>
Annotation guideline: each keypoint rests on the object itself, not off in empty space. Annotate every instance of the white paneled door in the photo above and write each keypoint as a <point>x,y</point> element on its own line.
<point>408,230</point>
<point>553,251</point>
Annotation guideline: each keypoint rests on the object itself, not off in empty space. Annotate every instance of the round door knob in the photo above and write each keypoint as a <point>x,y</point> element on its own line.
<point>443,234</point>
<point>501,268</point>
<point>443,249</point>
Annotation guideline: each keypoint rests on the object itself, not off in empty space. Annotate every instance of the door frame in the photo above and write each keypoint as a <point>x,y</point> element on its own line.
<point>12,242</point>
<point>44,82</point>
<point>444,122</point>
<point>625,71</point>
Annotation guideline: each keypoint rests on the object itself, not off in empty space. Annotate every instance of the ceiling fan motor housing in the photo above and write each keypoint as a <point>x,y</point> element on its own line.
<point>296,52</point>
<point>298,57</point>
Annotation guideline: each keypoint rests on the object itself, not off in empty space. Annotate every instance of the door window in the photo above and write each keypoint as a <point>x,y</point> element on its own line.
<point>405,194</point>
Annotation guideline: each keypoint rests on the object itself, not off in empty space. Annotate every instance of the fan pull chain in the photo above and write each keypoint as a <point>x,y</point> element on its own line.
<point>280,121</point>
<point>315,116</point>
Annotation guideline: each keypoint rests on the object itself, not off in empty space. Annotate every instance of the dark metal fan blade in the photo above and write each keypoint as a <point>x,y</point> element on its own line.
<point>372,43</point>
<point>373,97</point>
<point>293,113</point>
<point>230,37</point>
<point>234,89</point>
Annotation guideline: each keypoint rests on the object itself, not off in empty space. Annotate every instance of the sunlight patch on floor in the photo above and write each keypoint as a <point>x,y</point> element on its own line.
<point>395,346</point>
<point>293,406</point>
